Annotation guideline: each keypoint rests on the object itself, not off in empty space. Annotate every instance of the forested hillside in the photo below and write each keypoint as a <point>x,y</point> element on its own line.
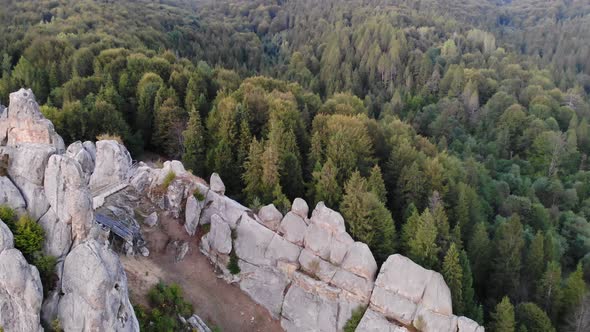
<point>454,132</point>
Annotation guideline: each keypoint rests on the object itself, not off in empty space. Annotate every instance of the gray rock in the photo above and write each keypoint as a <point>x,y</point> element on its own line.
<point>58,240</point>
<point>328,218</point>
<point>144,251</point>
<point>6,238</point>
<point>393,306</point>
<point>339,247</point>
<point>374,322</point>
<point>192,213</point>
<point>360,261</point>
<point>318,239</point>
<point>265,285</point>
<point>402,276</point>
<point>142,179</point>
<point>21,293</point>
<point>252,241</point>
<point>270,216</point>
<point>10,195</point>
<point>90,148</point>
<point>280,249</point>
<point>23,123</point>
<point>219,236</point>
<point>69,196</point>
<point>465,324</point>
<point>316,267</point>
<point>181,250</point>
<point>77,152</point>
<point>428,321</point>
<point>197,323</point>
<point>300,208</point>
<point>113,163</point>
<point>151,220</point>
<point>437,296</point>
<point>354,284</point>
<point>95,297</point>
<point>293,228</point>
<point>216,184</point>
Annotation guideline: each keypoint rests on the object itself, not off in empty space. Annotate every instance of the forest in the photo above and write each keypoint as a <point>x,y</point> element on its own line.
<point>454,132</point>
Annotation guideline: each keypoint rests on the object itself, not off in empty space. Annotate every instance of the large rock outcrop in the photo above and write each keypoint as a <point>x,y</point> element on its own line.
<point>94,287</point>
<point>21,292</point>
<point>113,163</point>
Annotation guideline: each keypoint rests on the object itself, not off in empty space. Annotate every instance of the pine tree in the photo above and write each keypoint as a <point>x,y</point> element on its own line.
<point>535,260</point>
<point>422,246</point>
<point>409,229</point>
<point>376,185</point>
<point>533,318</point>
<point>326,187</point>
<point>502,319</point>
<point>194,144</point>
<point>471,308</point>
<point>453,274</point>
<point>252,175</point>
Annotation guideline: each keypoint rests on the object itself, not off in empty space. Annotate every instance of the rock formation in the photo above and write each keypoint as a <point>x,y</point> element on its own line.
<point>21,292</point>
<point>40,178</point>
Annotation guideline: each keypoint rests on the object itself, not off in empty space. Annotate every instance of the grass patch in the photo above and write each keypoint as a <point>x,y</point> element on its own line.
<point>168,179</point>
<point>199,196</point>
<point>232,265</point>
<point>109,137</point>
<point>355,319</point>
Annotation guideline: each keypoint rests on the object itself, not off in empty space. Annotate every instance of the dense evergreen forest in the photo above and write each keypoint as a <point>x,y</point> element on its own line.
<point>454,132</point>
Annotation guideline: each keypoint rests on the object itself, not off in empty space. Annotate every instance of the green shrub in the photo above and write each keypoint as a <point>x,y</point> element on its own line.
<point>167,302</point>
<point>199,196</point>
<point>355,319</point>
<point>56,326</point>
<point>206,228</point>
<point>28,237</point>
<point>168,179</point>
<point>8,216</point>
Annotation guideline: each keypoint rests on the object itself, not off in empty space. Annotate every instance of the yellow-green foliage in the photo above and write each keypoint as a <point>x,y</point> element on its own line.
<point>168,179</point>
<point>28,236</point>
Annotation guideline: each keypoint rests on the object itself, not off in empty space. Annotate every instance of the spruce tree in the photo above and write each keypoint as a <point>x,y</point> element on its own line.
<point>549,293</point>
<point>326,187</point>
<point>194,144</point>
<point>422,245</point>
<point>502,319</point>
<point>453,274</point>
<point>506,265</point>
<point>376,185</point>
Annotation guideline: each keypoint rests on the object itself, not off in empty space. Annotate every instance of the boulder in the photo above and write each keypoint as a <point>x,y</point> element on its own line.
<point>173,166</point>
<point>270,216</point>
<point>339,247</point>
<point>216,184</point>
<point>151,220</point>
<point>393,306</point>
<point>265,285</point>
<point>280,249</point>
<point>192,214</point>
<point>428,321</point>
<point>328,218</point>
<point>300,208</point>
<point>58,239</point>
<point>374,322</point>
<point>402,276</point>
<point>69,196</point>
<point>21,293</point>
<point>23,123</point>
<point>181,250</point>
<point>90,148</point>
<point>437,296</point>
<point>252,241</point>
<point>113,165</point>
<point>94,287</point>
<point>6,238</point>
<point>219,236</point>
<point>316,267</point>
<point>465,324</point>
<point>10,195</point>
<point>228,209</point>
<point>26,169</point>
<point>352,283</point>
<point>360,261</point>
<point>318,239</point>
<point>142,178</point>
<point>293,228</point>
<point>77,152</point>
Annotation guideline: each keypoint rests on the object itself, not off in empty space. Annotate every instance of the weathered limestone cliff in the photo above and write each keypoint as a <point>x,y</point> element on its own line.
<point>40,178</point>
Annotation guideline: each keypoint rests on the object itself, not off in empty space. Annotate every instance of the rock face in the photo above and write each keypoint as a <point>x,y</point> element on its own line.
<point>23,122</point>
<point>21,292</point>
<point>51,185</point>
<point>216,184</point>
<point>312,275</point>
<point>69,197</point>
<point>113,163</point>
<point>95,291</point>
<point>192,214</point>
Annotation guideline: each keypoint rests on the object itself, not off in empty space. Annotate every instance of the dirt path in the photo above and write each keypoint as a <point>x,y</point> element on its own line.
<point>215,301</point>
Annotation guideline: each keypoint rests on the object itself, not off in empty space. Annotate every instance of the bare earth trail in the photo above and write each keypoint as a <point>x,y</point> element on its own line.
<point>215,301</point>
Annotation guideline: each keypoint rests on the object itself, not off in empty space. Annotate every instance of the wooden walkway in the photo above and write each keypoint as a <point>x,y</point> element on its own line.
<point>126,232</point>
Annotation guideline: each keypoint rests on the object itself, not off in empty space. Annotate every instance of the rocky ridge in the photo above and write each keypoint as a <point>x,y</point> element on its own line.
<point>39,177</point>
<point>306,270</point>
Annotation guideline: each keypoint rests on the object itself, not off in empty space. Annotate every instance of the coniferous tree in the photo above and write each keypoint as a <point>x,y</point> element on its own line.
<point>453,274</point>
<point>508,244</point>
<point>574,290</point>
<point>194,144</point>
<point>326,186</point>
<point>422,246</point>
<point>502,318</point>
<point>549,293</point>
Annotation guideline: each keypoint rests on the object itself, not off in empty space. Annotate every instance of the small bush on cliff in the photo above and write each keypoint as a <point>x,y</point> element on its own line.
<point>109,137</point>
<point>28,237</point>
<point>167,302</point>
<point>168,179</point>
<point>355,319</point>
<point>8,216</point>
<point>199,196</point>
<point>232,265</point>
